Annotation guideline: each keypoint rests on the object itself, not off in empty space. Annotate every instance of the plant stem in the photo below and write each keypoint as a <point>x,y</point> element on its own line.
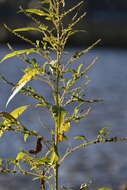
<point>58,52</point>
<point>96,141</point>
<point>42,185</point>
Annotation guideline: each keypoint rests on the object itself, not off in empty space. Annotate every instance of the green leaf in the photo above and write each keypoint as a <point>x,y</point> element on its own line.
<point>45,2</point>
<point>26,29</point>
<point>1,161</point>
<point>36,11</point>
<point>44,160</point>
<point>76,110</point>
<point>104,130</point>
<point>59,114</point>
<point>65,126</point>
<point>7,116</point>
<point>1,133</point>
<point>12,161</point>
<point>26,136</point>
<point>24,156</point>
<point>54,157</point>
<point>14,53</point>
<point>72,70</point>
<point>15,114</point>
<point>36,178</point>
<point>79,68</point>
<point>8,123</point>
<point>104,188</point>
<point>40,28</point>
<point>80,137</point>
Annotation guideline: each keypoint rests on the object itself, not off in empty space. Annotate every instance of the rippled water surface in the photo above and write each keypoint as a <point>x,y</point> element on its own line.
<point>105,165</point>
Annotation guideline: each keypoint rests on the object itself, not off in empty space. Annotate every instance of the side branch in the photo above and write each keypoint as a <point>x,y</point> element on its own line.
<point>96,141</point>
<point>17,171</point>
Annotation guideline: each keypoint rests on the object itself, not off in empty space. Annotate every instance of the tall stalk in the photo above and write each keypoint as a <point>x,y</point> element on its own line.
<point>58,57</point>
<point>68,83</point>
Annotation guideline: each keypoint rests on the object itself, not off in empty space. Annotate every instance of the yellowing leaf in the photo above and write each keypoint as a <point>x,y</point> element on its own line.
<point>15,114</point>
<point>64,126</point>
<point>28,75</point>
<point>62,137</point>
<point>26,78</point>
<point>20,155</point>
<point>18,111</point>
<point>54,157</point>
<point>23,156</point>
<point>14,53</point>
<point>1,133</point>
<point>8,119</point>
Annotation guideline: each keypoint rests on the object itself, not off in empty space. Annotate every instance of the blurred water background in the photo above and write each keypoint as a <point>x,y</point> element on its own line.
<point>105,165</point>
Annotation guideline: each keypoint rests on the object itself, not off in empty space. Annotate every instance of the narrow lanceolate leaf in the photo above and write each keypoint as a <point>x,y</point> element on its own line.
<point>104,188</point>
<point>45,2</point>
<point>36,11</point>
<point>1,161</point>
<point>14,53</point>
<point>26,78</point>
<point>15,92</point>
<point>14,114</point>
<point>79,68</point>
<point>8,120</point>
<point>64,125</point>
<point>80,137</point>
<point>54,157</point>
<point>21,155</point>
<point>18,111</point>
<point>7,116</point>
<point>26,29</point>
<point>26,135</point>
<point>40,28</point>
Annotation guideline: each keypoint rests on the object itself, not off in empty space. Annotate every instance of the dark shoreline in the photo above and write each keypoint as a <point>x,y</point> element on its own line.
<point>101,21</point>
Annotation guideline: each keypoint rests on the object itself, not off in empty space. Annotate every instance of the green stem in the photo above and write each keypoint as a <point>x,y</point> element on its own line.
<point>57,125</point>
<point>57,95</point>
<point>42,185</point>
<point>96,141</point>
